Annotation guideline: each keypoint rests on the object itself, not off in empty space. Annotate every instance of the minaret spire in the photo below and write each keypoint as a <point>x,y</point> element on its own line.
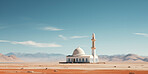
<point>93,41</point>
<point>93,47</point>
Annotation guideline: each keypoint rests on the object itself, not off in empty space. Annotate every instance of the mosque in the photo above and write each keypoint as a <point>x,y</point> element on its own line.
<point>79,55</point>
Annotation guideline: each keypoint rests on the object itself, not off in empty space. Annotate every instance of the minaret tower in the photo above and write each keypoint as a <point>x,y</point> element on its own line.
<point>93,48</point>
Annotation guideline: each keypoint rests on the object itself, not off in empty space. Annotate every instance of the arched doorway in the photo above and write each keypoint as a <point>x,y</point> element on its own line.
<point>74,60</point>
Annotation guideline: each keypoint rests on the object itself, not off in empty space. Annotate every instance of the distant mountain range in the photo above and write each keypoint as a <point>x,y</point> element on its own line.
<point>123,58</point>
<point>45,57</point>
<point>10,58</point>
<point>39,57</point>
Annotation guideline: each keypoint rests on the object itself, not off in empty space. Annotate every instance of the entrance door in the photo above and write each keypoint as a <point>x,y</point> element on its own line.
<point>74,60</point>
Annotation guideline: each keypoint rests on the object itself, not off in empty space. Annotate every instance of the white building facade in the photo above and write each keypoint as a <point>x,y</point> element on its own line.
<point>79,56</point>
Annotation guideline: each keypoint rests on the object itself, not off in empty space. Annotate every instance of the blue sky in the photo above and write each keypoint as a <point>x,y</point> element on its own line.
<point>60,26</point>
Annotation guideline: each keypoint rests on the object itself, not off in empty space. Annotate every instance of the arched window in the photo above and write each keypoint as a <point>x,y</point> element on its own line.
<point>68,59</point>
<point>86,60</point>
<point>79,59</point>
<point>76,59</point>
<point>82,59</point>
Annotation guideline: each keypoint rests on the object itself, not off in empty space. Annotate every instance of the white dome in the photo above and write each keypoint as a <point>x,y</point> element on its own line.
<point>78,52</point>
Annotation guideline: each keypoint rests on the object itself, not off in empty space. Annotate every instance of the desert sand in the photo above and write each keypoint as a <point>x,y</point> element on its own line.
<point>54,68</point>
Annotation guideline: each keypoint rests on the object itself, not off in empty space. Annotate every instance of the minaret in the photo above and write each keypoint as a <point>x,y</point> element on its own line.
<point>93,47</point>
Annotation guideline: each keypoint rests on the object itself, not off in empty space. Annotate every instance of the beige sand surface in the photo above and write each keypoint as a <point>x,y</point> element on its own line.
<point>54,68</point>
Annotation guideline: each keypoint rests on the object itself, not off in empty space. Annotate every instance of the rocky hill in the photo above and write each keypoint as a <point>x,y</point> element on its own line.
<point>11,58</point>
<point>39,57</point>
<point>123,58</point>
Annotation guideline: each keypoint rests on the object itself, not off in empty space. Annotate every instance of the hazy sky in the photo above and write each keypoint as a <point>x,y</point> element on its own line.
<point>60,26</point>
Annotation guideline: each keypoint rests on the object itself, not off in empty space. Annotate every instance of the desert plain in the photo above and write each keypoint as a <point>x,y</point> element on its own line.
<point>55,68</point>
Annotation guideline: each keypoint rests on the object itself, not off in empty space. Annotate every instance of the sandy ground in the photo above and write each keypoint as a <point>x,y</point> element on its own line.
<point>69,71</point>
<point>52,68</point>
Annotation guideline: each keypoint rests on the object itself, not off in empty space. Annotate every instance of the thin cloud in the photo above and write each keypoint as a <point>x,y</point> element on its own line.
<point>142,34</point>
<point>32,43</point>
<point>4,41</point>
<point>52,28</point>
<point>63,37</point>
<point>74,37</point>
